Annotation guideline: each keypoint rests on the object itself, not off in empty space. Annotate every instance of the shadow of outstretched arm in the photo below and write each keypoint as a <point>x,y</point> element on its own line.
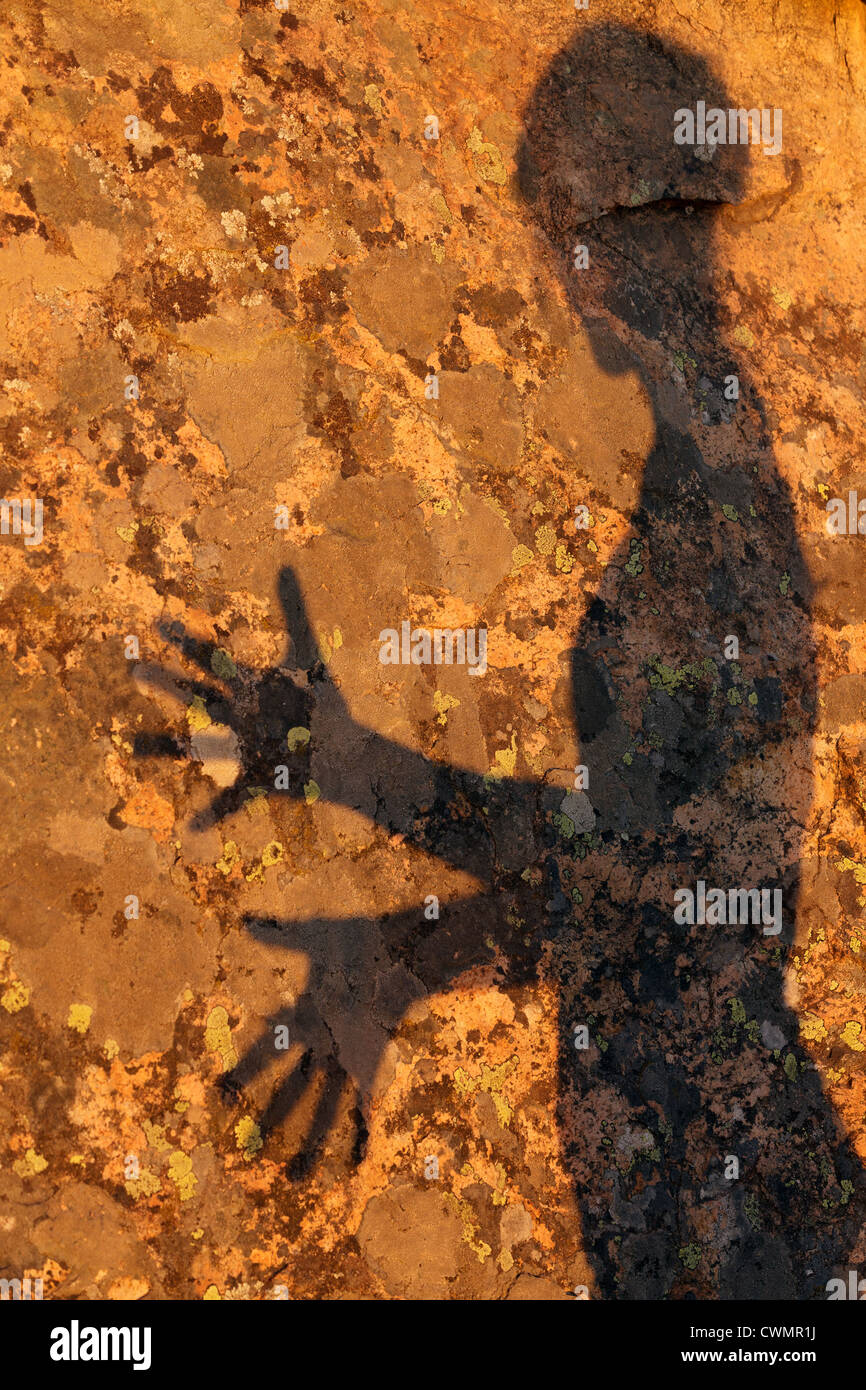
<point>469,820</point>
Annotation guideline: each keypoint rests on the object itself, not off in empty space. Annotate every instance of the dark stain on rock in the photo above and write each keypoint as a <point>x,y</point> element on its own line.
<point>494,307</point>
<point>323,295</point>
<point>455,356</point>
<point>180,297</point>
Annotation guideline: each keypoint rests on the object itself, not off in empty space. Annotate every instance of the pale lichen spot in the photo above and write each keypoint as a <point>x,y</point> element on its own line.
<point>79,1018</point>
<point>181,1174</point>
<point>850,1035</point>
<point>30,1165</point>
<point>521,555</point>
<point>222,664</point>
<point>442,703</point>
<point>545,540</point>
<point>248,1136</point>
<point>15,998</point>
<point>197,717</point>
<point>218,1037</point>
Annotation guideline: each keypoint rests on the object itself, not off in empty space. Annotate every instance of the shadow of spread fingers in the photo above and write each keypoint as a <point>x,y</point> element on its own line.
<point>157,746</point>
<point>216,663</point>
<point>304,646</point>
<point>258,1056</point>
<point>289,1093</point>
<point>322,1123</point>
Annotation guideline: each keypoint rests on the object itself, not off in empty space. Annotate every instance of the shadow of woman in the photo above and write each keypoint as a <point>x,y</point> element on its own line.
<point>709,1160</point>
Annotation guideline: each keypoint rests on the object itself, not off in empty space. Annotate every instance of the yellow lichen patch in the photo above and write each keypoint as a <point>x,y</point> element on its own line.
<point>329,645</point>
<point>564,562</point>
<point>31,1164</point>
<point>256,803</point>
<point>312,792</point>
<point>813,1029</point>
<point>781,297</point>
<point>545,540</point>
<point>15,998</point>
<point>743,336</point>
<point>491,1080</point>
<point>79,1018</point>
<point>499,1198</point>
<point>521,555</point>
<point>111,1048</point>
<point>373,99</point>
<point>197,716</point>
<point>442,704</point>
<point>486,158</point>
<point>851,866</point>
<point>470,1229</point>
<point>847,866</point>
<point>297,738</point>
<point>272,853</point>
<point>248,1136</point>
<point>850,1034</point>
<point>211,1292</point>
<point>496,506</point>
<point>155,1136</point>
<point>231,857</point>
<point>145,1185</point>
<point>440,207</point>
<point>504,761</point>
<point>181,1174</point>
<point>218,1037</point>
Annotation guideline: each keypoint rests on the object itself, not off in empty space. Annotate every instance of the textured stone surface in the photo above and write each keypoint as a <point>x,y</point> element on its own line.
<point>170,918</point>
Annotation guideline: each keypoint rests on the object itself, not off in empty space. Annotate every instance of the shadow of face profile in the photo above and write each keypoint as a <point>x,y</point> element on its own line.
<point>598,153</point>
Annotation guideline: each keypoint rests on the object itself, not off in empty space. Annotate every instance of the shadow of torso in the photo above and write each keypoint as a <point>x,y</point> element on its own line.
<point>695,1123</point>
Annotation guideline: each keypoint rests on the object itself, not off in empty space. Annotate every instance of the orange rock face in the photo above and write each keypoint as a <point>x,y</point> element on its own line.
<point>329,976</point>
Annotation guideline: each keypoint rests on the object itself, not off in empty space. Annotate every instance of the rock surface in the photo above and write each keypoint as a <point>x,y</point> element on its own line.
<point>302,1011</point>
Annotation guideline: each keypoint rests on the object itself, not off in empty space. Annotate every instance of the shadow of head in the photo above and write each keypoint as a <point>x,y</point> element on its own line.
<point>599,166</point>
<point>601,171</point>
